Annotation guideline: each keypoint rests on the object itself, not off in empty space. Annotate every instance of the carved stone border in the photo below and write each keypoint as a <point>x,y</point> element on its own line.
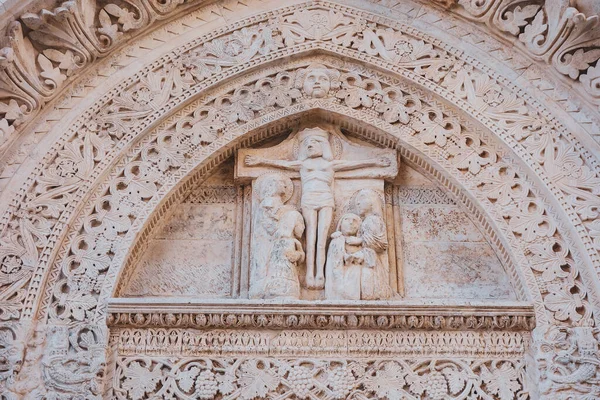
<point>557,33</point>
<point>187,313</point>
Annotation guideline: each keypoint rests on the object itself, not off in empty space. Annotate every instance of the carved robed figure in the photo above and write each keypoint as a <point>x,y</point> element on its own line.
<point>355,267</point>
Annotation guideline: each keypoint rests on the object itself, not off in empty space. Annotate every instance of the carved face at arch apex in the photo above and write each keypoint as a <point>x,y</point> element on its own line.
<point>316,84</point>
<point>317,80</point>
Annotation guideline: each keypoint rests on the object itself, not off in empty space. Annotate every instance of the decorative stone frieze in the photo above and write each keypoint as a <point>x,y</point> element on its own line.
<point>320,315</point>
<point>320,343</point>
<point>249,378</point>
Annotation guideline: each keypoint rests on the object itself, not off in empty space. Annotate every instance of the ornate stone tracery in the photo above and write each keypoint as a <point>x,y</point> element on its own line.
<point>79,249</point>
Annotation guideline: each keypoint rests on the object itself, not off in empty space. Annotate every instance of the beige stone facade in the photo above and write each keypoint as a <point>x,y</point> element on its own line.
<point>300,199</point>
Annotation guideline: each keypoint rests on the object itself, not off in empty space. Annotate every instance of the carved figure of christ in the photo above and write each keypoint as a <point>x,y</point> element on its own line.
<point>317,170</point>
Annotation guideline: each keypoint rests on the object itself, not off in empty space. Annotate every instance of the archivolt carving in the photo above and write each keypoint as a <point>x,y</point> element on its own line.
<point>61,41</point>
<point>561,32</point>
<point>467,153</point>
<point>153,166</point>
<point>528,223</point>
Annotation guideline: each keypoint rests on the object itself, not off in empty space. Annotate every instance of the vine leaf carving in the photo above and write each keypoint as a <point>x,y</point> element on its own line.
<point>141,381</point>
<point>501,381</point>
<point>256,379</point>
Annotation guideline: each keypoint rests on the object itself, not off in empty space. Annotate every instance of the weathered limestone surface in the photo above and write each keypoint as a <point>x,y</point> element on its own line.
<point>445,254</point>
<point>316,199</point>
<point>193,254</point>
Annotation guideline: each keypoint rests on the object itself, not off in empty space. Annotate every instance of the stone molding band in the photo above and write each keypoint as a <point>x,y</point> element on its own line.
<point>318,343</point>
<point>319,315</point>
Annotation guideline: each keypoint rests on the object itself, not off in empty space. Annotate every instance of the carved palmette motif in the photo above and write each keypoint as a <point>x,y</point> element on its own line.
<point>460,321</point>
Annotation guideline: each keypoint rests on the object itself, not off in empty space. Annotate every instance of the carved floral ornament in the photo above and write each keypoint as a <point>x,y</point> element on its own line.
<point>158,161</point>
<point>46,49</point>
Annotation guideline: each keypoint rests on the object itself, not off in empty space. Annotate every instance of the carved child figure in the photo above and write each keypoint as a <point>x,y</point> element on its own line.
<point>282,268</point>
<point>345,260</point>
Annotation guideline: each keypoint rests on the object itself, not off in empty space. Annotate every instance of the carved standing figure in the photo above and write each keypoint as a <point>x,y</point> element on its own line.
<point>374,283</point>
<point>272,190</point>
<point>282,269</point>
<point>345,260</point>
<point>317,170</point>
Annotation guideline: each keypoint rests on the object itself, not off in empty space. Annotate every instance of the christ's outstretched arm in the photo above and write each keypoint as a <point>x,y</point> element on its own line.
<point>340,165</point>
<point>252,161</point>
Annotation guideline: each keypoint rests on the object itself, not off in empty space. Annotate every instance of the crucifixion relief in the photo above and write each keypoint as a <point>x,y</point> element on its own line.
<point>318,157</point>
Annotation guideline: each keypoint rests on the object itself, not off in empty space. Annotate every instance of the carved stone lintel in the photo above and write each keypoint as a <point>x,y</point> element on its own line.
<point>365,378</point>
<point>320,314</point>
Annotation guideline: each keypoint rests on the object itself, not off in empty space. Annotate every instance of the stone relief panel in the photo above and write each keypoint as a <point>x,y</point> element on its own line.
<point>251,378</point>
<point>445,254</point>
<point>193,253</point>
<point>441,253</point>
<point>303,188</point>
<point>318,364</point>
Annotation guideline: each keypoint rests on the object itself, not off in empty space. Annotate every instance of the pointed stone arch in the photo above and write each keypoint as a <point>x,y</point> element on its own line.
<point>517,130</point>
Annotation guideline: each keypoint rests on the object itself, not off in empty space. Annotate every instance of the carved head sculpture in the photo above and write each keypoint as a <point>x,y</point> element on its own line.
<point>316,80</point>
<point>274,187</point>
<point>367,202</point>
<point>314,142</point>
<point>349,224</point>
